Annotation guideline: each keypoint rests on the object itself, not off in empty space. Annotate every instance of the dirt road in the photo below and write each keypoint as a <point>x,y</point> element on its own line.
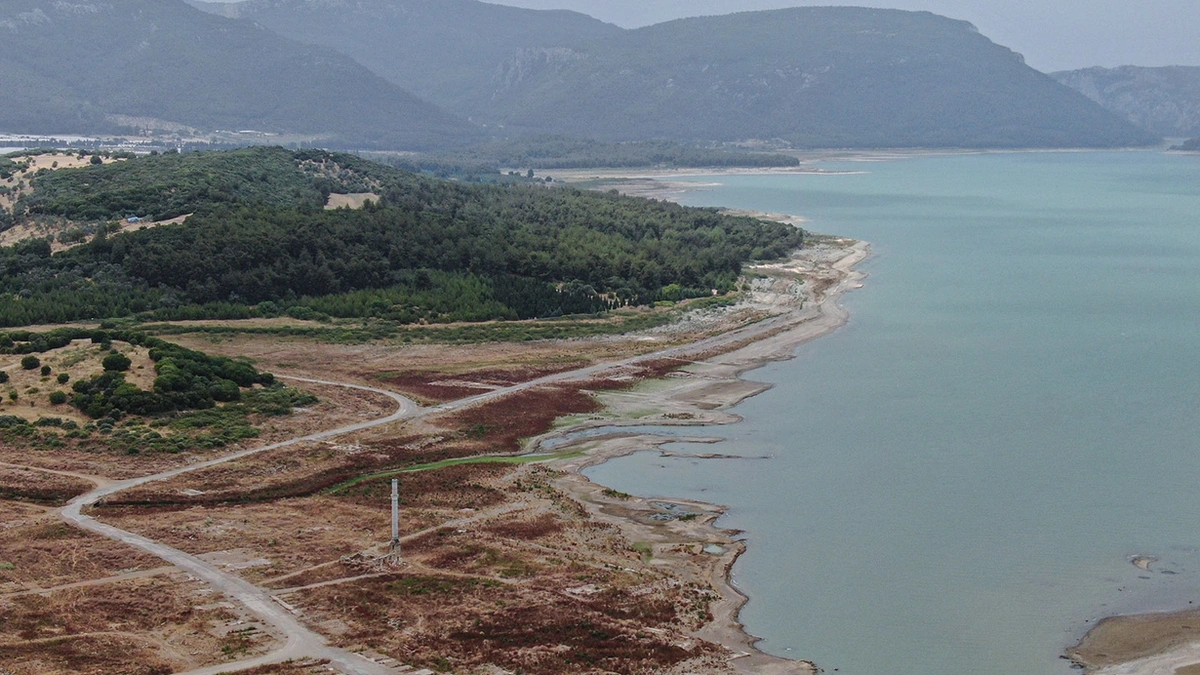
<point>299,641</point>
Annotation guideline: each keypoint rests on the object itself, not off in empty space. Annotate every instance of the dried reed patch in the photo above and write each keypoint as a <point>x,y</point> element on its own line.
<point>52,553</point>
<point>501,425</point>
<point>104,654</point>
<point>440,386</point>
<point>455,623</point>
<point>39,486</point>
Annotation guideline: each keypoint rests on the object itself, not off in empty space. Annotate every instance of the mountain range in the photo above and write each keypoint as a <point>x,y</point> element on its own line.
<point>106,66</point>
<point>1165,101</point>
<point>812,77</point>
<point>420,74</point>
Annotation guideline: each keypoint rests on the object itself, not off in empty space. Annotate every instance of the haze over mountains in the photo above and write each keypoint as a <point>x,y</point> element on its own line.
<point>104,66</point>
<point>1163,100</point>
<point>808,77</point>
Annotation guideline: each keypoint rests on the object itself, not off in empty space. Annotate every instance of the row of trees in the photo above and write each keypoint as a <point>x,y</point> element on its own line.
<point>564,152</point>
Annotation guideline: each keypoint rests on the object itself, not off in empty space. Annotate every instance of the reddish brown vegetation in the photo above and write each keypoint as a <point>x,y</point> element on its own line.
<point>40,486</point>
<point>440,386</point>
<point>527,530</point>
<point>452,487</point>
<point>530,629</point>
<point>503,423</point>
<point>52,553</point>
<point>306,667</point>
<point>138,606</point>
<point>103,654</point>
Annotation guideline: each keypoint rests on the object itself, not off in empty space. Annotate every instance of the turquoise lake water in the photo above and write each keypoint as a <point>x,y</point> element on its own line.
<point>959,477</point>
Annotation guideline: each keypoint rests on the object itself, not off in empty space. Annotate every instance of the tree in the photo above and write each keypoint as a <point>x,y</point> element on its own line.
<point>30,362</point>
<point>116,362</point>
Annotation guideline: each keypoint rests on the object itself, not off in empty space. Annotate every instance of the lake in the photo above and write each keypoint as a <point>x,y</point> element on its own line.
<point>960,477</point>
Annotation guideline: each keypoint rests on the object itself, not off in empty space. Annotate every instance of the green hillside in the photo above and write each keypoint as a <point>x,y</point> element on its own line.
<point>1165,100</point>
<point>119,65</point>
<point>261,243</point>
<point>812,77</point>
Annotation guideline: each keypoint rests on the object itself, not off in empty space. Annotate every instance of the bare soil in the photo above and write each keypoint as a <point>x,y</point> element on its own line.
<point>1122,639</point>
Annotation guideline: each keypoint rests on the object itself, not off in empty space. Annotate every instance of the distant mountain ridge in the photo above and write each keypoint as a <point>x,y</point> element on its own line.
<point>446,51</point>
<point>100,66</point>
<point>813,77</point>
<point>1164,100</point>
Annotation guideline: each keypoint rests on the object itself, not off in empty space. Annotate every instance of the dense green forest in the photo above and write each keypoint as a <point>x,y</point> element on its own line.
<point>261,243</point>
<point>563,152</point>
<point>159,187</point>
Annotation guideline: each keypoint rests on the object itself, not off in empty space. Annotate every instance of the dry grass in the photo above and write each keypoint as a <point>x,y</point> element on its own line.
<point>103,654</point>
<point>40,486</point>
<point>456,623</point>
<point>39,551</point>
<point>450,385</point>
<point>354,200</point>
<point>143,626</point>
<point>80,360</point>
<point>288,536</point>
<point>374,363</point>
<point>337,406</point>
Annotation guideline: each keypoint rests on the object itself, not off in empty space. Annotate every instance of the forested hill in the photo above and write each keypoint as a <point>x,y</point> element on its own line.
<point>814,77</point>
<point>446,51</point>
<point>118,66</point>
<point>1164,100</point>
<point>260,243</point>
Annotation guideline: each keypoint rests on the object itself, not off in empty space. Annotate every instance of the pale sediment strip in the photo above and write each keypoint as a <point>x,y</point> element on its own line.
<point>1145,644</point>
<point>710,384</point>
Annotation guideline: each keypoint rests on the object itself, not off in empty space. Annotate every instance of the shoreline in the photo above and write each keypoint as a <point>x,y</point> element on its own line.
<point>1158,643</point>
<point>1163,643</point>
<point>700,395</point>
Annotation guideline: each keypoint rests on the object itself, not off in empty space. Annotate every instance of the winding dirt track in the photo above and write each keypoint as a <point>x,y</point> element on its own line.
<point>302,642</point>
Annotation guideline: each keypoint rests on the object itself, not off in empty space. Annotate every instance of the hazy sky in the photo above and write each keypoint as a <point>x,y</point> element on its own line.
<point>1052,34</point>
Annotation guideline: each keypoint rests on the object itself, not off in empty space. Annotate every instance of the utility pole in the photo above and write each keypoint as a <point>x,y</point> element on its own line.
<point>395,516</point>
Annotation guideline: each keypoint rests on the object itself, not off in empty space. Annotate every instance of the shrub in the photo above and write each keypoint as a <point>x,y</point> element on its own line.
<point>30,362</point>
<point>63,378</point>
<point>45,370</point>
<point>116,362</point>
<point>3,377</point>
<point>58,398</point>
